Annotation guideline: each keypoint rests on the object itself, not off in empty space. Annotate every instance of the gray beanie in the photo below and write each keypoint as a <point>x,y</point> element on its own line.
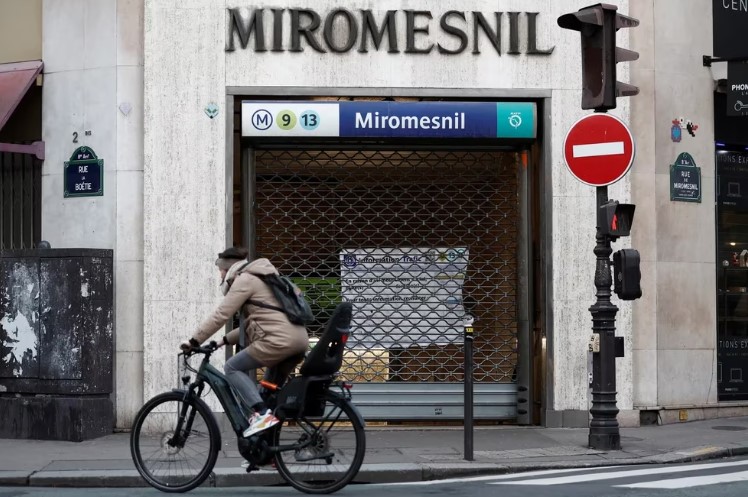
<point>231,256</point>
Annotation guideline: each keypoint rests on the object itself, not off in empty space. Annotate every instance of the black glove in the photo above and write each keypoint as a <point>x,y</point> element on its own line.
<point>187,345</point>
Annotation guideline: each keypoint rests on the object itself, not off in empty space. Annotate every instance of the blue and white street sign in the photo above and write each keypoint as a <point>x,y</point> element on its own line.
<point>390,119</point>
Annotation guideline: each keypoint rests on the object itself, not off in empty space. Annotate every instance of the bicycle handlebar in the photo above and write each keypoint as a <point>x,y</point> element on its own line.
<point>207,350</point>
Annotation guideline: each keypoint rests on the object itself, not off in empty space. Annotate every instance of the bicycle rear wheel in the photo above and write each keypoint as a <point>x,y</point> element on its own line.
<point>330,449</point>
<point>174,444</point>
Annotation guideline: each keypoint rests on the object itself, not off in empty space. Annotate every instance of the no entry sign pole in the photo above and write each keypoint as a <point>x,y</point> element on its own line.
<point>599,150</point>
<point>604,430</point>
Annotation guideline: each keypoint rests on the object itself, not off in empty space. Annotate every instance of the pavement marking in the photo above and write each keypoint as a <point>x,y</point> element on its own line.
<point>597,149</point>
<point>693,481</point>
<point>491,478</point>
<point>620,474</point>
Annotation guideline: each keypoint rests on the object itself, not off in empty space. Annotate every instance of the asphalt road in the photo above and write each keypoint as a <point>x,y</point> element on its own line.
<point>726,478</point>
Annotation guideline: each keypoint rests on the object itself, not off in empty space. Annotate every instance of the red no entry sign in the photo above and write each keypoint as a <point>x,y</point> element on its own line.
<point>599,149</point>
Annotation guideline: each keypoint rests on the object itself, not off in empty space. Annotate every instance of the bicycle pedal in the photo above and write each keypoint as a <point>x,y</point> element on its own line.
<point>252,467</point>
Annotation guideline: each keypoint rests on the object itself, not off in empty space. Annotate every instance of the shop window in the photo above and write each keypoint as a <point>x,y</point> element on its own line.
<point>732,275</point>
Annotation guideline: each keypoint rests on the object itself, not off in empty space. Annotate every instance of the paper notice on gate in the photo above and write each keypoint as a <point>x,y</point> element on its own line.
<point>404,296</point>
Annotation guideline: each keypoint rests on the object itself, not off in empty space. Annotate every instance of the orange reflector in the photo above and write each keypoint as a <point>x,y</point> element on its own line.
<point>268,385</point>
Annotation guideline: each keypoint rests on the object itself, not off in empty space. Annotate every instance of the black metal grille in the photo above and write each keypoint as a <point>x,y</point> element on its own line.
<point>20,201</point>
<point>311,208</point>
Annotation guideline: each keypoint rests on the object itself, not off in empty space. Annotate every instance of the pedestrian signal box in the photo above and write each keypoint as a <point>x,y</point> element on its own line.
<point>614,219</point>
<point>627,274</point>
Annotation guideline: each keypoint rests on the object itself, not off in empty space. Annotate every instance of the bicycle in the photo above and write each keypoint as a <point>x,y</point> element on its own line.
<point>303,445</point>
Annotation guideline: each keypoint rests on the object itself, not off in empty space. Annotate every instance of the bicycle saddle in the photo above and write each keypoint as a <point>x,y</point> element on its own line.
<point>327,355</point>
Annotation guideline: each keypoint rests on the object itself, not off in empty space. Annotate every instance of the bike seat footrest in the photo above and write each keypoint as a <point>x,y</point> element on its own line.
<point>311,457</point>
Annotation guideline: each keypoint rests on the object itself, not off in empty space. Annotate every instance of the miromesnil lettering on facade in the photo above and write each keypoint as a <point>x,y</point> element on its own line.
<point>341,30</point>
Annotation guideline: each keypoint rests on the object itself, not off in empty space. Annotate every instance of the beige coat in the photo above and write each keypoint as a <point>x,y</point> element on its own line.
<point>271,337</point>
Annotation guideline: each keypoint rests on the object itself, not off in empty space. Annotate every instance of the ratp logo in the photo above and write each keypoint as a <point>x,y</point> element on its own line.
<point>350,261</point>
<point>262,119</point>
<point>515,120</point>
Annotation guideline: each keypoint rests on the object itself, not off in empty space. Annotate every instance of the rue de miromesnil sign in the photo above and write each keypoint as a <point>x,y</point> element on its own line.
<point>84,174</point>
<point>685,179</point>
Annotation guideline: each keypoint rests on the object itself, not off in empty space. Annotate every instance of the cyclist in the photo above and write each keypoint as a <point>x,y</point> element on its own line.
<point>270,336</point>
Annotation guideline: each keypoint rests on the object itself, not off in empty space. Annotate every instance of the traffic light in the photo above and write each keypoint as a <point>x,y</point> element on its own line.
<point>627,274</point>
<point>598,25</point>
<point>614,219</point>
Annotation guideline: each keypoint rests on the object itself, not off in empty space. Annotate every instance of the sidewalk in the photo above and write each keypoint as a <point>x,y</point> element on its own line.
<point>393,454</point>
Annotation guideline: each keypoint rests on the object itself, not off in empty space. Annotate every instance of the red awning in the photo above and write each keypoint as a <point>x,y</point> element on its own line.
<point>15,80</point>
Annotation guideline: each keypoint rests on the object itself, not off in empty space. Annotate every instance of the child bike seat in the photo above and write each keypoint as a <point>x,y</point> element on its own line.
<point>327,355</point>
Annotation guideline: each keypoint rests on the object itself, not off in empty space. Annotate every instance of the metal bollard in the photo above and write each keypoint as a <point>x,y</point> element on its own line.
<point>468,382</point>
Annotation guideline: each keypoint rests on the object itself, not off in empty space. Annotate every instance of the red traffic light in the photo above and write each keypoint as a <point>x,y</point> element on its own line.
<point>614,219</point>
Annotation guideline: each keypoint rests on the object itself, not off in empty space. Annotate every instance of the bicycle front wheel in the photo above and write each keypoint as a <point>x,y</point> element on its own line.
<point>328,449</point>
<point>174,442</point>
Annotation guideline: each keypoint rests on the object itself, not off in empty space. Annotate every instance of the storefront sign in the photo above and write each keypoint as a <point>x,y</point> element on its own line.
<point>737,88</point>
<point>404,296</point>
<point>685,179</point>
<point>84,174</point>
<point>390,119</point>
<point>732,177</point>
<point>342,30</point>
<point>732,368</point>
<point>730,22</point>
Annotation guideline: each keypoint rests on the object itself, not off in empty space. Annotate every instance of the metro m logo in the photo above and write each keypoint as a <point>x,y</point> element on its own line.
<point>262,119</point>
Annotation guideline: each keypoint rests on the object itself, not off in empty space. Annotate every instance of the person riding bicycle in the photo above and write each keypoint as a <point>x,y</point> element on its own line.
<point>270,336</point>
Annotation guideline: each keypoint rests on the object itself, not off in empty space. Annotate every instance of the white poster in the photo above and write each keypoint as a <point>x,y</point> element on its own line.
<point>404,296</point>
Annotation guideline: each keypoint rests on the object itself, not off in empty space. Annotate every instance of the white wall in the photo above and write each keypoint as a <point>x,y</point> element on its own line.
<point>93,58</point>
<point>186,68</point>
<point>675,326</point>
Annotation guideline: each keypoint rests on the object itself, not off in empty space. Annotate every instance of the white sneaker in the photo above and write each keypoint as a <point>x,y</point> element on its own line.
<point>260,422</point>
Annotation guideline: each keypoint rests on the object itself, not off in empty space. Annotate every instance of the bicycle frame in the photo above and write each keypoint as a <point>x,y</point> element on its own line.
<point>207,373</point>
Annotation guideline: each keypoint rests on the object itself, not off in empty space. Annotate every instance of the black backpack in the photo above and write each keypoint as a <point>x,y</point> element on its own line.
<point>289,296</point>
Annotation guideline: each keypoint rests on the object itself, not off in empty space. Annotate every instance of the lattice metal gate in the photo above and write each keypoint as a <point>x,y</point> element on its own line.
<point>20,201</point>
<point>415,239</point>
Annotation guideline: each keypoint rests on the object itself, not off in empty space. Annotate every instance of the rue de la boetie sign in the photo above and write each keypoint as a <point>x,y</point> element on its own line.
<point>340,30</point>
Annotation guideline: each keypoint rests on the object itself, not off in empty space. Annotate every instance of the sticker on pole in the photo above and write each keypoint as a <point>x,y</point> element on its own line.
<point>599,149</point>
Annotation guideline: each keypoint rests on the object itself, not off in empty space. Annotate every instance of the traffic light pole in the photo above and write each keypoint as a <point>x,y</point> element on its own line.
<point>604,432</point>
<point>597,25</point>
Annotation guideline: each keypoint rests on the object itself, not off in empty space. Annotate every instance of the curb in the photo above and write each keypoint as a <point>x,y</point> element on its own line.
<point>86,478</point>
<point>369,473</point>
<point>14,478</point>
